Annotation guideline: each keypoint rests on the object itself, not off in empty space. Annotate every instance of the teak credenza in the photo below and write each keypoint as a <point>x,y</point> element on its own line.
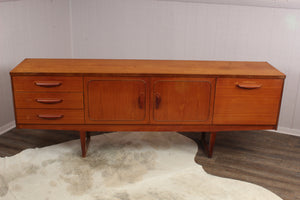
<point>146,95</point>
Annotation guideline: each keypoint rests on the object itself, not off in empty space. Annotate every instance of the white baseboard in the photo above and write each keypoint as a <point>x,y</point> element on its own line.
<point>7,127</point>
<point>288,131</point>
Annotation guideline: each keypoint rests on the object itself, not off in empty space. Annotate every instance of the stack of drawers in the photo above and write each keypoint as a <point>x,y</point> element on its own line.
<point>48,100</point>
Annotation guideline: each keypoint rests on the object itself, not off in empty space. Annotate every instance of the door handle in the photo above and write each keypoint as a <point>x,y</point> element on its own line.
<point>50,116</point>
<point>157,100</point>
<point>49,101</point>
<point>248,85</point>
<point>48,83</point>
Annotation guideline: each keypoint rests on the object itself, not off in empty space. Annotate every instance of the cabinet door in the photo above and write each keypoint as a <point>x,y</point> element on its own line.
<point>247,101</point>
<point>116,100</point>
<point>182,100</point>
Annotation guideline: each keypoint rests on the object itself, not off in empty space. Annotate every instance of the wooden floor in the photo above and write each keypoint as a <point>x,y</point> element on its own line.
<point>268,159</point>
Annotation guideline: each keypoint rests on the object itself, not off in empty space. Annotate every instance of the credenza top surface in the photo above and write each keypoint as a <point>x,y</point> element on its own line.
<point>145,67</point>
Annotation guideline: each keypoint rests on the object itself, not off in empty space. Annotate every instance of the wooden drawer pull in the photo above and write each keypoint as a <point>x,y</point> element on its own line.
<point>249,85</point>
<point>157,100</point>
<point>49,101</point>
<point>48,83</point>
<point>49,116</point>
<point>141,100</point>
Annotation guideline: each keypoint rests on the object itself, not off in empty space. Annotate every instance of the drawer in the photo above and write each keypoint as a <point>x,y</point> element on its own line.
<point>48,83</point>
<point>48,100</point>
<point>247,101</point>
<point>49,116</point>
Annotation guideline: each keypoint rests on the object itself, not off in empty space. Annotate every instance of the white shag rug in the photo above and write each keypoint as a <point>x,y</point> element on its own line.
<point>119,166</point>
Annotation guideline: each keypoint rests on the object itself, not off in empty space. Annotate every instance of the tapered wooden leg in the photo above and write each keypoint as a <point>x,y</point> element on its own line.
<point>208,146</point>
<point>212,140</point>
<point>85,140</point>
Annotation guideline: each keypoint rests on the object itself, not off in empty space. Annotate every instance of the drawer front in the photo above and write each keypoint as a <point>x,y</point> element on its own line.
<point>49,116</point>
<point>47,84</point>
<point>49,100</point>
<point>247,101</point>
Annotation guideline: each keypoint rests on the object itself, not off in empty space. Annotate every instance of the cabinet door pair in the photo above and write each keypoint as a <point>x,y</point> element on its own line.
<point>135,100</point>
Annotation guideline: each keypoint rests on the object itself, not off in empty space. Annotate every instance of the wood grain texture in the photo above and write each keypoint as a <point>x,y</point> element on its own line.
<point>28,83</point>
<point>48,100</point>
<point>116,100</point>
<point>31,116</point>
<point>185,101</point>
<point>145,127</point>
<point>270,160</point>
<point>240,105</point>
<point>149,95</point>
<point>145,67</point>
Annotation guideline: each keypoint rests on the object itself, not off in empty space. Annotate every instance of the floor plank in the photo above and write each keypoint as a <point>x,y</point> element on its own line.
<point>265,158</point>
<point>269,159</point>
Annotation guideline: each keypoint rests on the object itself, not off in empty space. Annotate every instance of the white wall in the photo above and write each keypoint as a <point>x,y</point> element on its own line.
<point>178,30</point>
<point>29,28</point>
<point>151,29</point>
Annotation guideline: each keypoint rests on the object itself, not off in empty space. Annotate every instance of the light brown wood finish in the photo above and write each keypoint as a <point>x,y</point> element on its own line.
<point>100,67</point>
<point>247,101</point>
<point>38,116</point>
<point>28,83</point>
<point>184,101</point>
<point>116,100</point>
<point>147,127</point>
<point>146,95</point>
<point>49,100</point>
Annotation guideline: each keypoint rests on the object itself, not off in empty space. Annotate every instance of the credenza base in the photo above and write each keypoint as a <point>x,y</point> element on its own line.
<point>208,146</point>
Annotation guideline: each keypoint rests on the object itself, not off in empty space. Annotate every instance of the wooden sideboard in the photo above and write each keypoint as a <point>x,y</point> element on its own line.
<point>146,95</point>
